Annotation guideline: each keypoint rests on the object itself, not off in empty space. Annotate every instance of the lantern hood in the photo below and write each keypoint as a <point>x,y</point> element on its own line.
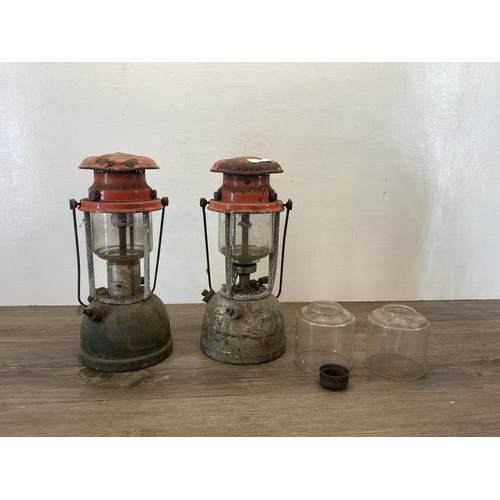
<point>118,162</point>
<point>245,186</point>
<point>120,184</point>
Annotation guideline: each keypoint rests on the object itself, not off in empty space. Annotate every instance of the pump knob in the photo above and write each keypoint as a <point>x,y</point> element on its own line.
<point>94,313</point>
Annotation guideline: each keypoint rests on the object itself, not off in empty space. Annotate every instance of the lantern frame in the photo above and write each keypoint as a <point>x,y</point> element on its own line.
<point>246,189</point>
<point>120,187</point>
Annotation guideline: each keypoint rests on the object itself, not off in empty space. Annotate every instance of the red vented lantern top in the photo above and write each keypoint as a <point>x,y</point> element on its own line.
<point>120,184</point>
<point>245,186</point>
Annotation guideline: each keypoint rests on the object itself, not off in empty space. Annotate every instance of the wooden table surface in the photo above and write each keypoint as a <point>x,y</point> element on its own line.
<point>45,391</point>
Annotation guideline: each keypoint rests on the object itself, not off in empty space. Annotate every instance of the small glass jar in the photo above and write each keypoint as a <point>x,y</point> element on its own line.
<point>324,334</point>
<point>396,342</point>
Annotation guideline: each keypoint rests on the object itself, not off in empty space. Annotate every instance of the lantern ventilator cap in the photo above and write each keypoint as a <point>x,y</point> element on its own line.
<point>118,162</point>
<point>245,186</point>
<point>247,165</point>
<point>120,184</point>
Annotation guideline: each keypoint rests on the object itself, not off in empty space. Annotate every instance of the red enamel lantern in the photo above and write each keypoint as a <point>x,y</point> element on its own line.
<point>243,322</point>
<point>118,229</point>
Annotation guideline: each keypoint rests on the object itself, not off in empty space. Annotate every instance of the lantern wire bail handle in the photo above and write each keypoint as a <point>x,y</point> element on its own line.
<point>73,205</point>
<point>203,204</point>
<point>164,202</point>
<point>288,205</point>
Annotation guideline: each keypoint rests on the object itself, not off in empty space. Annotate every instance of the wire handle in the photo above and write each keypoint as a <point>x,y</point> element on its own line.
<point>164,202</point>
<point>288,205</point>
<point>203,204</point>
<point>73,205</point>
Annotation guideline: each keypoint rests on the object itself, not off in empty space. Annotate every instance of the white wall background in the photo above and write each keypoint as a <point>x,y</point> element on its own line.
<point>393,170</point>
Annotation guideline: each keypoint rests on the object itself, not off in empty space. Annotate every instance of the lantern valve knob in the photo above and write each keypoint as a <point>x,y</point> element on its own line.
<point>94,313</point>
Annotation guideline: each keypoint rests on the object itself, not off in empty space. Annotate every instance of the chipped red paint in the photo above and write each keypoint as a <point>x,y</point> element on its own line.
<point>118,162</point>
<point>120,184</point>
<point>246,187</point>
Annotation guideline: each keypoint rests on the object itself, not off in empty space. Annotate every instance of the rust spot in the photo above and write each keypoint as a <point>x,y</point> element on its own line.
<point>242,165</point>
<point>104,160</point>
<point>111,162</point>
<point>132,162</point>
<point>395,374</point>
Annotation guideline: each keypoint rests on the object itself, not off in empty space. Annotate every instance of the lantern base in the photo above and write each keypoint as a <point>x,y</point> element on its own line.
<point>243,332</point>
<point>129,337</point>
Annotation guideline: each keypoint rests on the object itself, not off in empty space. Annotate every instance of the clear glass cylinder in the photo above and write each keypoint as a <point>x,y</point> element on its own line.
<point>324,334</point>
<point>396,342</point>
<point>119,237</point>
<point>251,236</point>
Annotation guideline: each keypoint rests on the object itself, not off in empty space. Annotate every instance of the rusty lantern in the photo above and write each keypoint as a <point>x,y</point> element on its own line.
<point>243,322</point>
<point>125,326</point>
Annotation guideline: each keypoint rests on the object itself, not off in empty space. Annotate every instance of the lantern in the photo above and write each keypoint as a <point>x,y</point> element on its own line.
<point>125,326</point>
<point>243,323</point>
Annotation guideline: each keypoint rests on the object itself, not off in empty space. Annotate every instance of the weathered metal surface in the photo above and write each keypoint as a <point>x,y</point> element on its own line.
<point>104,297</point>
<point>128,337</point>
<point>243,332</point>
<point>90,254</point>
<point>247,165</point>
<point>230,276</point>
<point>247,193</point>
<point>256,291</point>
<point>147,256</point>
<point>124,278</point>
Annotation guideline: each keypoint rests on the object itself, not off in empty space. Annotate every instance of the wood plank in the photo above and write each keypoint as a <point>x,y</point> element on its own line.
<point>45,391</point>
<point>318,413</point>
